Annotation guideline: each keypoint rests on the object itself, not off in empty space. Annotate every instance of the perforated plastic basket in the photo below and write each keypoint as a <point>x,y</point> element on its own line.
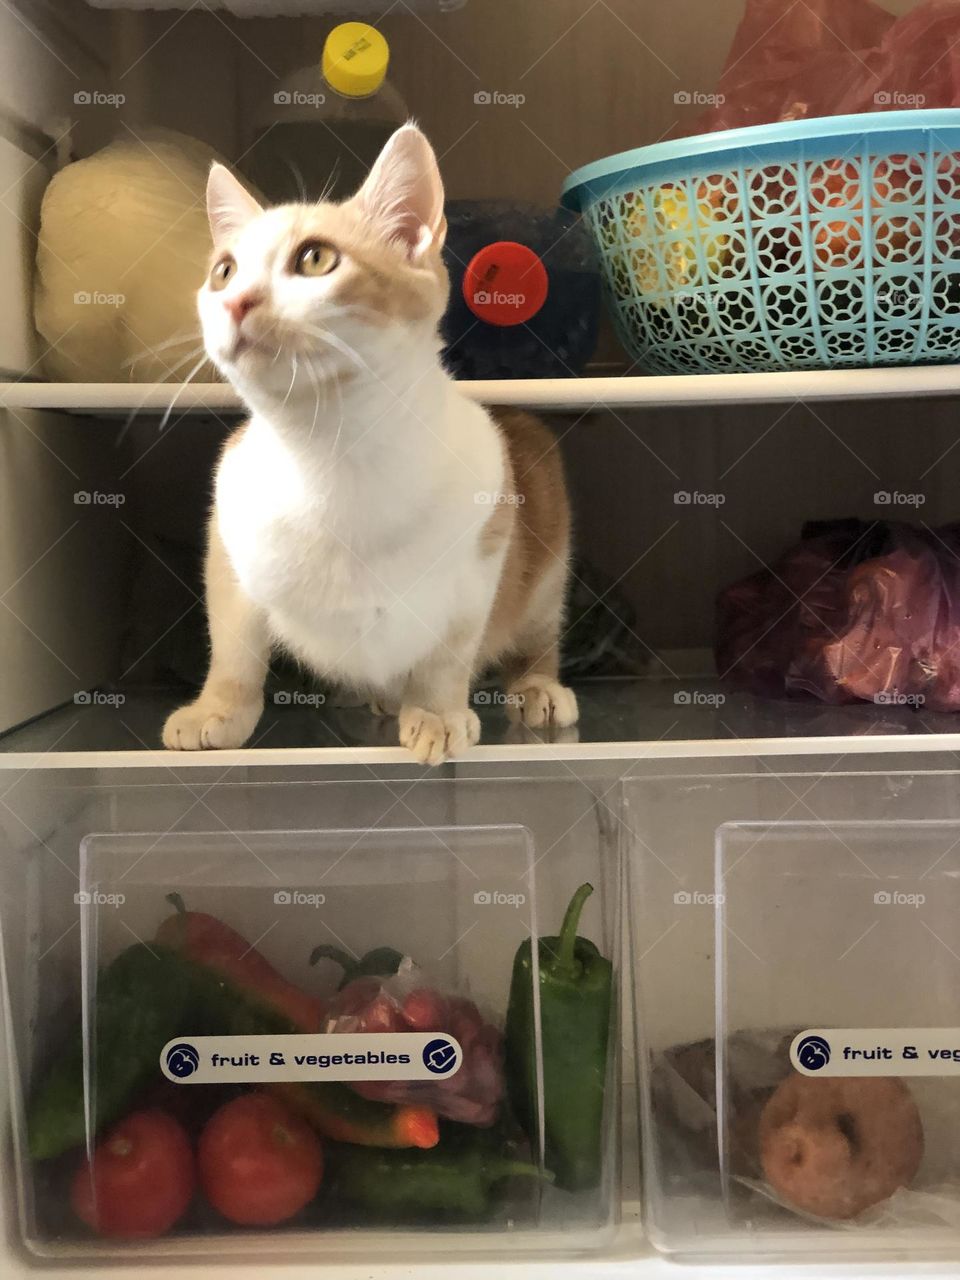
<point>821,243</point>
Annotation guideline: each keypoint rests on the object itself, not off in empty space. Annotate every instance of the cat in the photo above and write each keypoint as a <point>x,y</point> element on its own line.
<point>388,532</point>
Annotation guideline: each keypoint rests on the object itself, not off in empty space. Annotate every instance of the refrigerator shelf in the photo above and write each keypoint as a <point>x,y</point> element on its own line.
<point>557,395</point>
<point>628,719</point>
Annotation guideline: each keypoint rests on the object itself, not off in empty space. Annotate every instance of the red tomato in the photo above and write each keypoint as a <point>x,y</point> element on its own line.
<point>142,1179</point>
<point>259,1162</point>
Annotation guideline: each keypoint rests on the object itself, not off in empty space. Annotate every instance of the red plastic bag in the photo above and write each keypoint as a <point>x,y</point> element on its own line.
<point>837,57</point>
<point>404,1002</point>
<point>853,612</point>
<point>916,65</point>
<point>790,61</point>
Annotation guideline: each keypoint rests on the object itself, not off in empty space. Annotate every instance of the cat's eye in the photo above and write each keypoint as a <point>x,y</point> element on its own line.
<point>222,272</point>
<point>315,259</point>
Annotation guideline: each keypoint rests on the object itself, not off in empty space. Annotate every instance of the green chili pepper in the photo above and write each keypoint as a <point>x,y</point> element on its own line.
<point>141,1001</point>
<point>575,999</point>
<point>457,1184</point>
<point>379,963</point>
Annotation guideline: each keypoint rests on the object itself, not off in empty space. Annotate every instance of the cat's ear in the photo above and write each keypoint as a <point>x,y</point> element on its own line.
<point>404,192</point>
<point>230,206</point>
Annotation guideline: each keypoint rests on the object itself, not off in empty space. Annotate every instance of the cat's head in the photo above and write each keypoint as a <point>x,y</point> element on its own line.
<point>321,290</point>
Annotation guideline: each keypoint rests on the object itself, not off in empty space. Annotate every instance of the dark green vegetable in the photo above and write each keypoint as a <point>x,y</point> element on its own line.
<point>141,1000</point>
<point>576,984</point>
<point>379,963</point>
<point>458,1183</point>
<point>151,994</point>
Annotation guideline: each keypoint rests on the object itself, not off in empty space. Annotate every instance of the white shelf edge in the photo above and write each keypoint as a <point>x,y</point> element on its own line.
<point>559,394</point>
<point>536,752</point>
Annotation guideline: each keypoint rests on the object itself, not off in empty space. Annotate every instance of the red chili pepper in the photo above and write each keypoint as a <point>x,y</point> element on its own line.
<point>208,941</point>
<point>348,1117</point>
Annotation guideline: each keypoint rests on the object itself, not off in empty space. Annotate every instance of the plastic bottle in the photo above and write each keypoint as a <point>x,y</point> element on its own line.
<point>328,122</point>
<point>525,291</point>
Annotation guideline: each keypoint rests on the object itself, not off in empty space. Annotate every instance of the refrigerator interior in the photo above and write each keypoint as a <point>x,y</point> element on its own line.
<point>102,625</point>
<point>671,502</point>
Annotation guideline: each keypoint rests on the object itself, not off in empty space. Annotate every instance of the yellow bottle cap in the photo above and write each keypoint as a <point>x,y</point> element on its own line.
<point>355,58</point>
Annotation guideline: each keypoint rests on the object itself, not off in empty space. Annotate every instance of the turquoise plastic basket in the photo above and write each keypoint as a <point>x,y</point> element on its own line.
<point>821,243</point>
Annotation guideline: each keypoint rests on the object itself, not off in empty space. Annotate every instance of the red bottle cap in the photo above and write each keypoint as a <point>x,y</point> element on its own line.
<point>505,283</point>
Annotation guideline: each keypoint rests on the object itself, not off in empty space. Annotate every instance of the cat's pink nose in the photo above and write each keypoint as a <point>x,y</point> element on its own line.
<point>241,305</point>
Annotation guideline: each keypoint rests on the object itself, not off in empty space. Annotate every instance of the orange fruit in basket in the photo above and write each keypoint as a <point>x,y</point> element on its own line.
<point>898,178</point>
<point>837,244</point>
<point>835,184</point>
<point>719,195</point>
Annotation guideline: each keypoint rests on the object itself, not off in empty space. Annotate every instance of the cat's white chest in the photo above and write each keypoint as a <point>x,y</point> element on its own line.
<point>360,585</point>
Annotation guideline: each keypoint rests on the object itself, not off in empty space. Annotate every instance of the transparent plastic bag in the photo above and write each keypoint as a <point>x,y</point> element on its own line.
<point>405,1002</point>
<point>755,1063</point>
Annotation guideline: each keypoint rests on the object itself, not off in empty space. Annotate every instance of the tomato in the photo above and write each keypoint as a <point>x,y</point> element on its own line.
<point>141,1181</point>
<point>259,1162</point>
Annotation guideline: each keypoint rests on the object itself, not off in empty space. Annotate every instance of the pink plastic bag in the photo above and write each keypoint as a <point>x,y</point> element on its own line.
<point>853,612</point>
<point>404,1002</point>
<point>837,57</point>
<point>916,65</point>
<point>790,61</point>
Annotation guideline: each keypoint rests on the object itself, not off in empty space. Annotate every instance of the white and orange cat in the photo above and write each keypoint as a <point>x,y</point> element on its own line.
<point>368,518</point>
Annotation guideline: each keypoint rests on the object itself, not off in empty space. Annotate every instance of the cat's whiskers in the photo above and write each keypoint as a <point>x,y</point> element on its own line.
<point>338,344</point>
<point>176,341</point>
<point>190,355</point>
<point>336,438</point>
<point>189,378</point>
<point>152,386</point>
<point>330,182</point>
<point>293,378</point>
<point>316,406</point>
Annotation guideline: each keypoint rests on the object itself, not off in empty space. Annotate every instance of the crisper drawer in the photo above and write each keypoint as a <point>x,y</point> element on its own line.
<point>309,1019</point>
<point>798,963</point>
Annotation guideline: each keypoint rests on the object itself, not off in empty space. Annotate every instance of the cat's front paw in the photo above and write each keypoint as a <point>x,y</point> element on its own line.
<point>434,738</point>
<point>542,702</point>
<point>211,725</point>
